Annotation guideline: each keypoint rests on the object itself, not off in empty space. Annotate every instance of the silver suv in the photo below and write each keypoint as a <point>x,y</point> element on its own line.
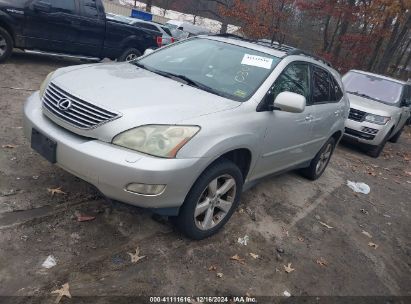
<point>185,129</point>
<point>380,108</point>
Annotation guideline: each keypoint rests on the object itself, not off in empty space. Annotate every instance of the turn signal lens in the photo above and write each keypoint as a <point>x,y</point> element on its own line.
<point>145,189</point>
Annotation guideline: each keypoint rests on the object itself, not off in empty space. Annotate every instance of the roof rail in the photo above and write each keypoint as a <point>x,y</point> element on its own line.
<point>289,50</point>
<point>304,53</point>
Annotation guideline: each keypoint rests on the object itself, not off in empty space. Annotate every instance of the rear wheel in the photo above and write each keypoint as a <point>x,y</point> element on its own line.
<point>320,161</point>
<point>6,45</point>
<point>211,201</point>
<point>130,54</point>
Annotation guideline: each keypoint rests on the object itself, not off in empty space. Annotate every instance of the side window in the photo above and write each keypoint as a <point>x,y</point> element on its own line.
<point>321,85</point>
<point>335,92</point>
<point>63,6</point>
<point>295,78</point>
<point>167,30</point>
<point>90,8</point>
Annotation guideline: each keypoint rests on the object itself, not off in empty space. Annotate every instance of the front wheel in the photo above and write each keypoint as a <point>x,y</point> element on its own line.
<point>397,135</point>
<point>129,55</point>
<point>320,161</point>
<point>6,45</point>
<point>211,201</point>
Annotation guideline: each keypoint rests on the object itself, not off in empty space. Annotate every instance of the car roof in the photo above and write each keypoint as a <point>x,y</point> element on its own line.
<point>379,76</point>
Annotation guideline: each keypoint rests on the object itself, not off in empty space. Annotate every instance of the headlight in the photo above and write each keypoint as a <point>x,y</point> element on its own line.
<point>379,120</point>
<point>45,84</point>
<point>158,140</point>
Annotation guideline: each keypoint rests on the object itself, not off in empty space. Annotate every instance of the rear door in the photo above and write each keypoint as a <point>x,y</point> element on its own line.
<point>327,104</point>
<point>288,135</point>
<point>49,25</point>
<point>91,27</point>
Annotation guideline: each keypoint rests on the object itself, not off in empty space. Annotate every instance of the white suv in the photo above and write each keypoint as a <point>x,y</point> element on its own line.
<point>380,108</point>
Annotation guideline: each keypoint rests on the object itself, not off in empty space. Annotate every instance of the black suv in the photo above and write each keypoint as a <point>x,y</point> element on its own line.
<point>76,28</point>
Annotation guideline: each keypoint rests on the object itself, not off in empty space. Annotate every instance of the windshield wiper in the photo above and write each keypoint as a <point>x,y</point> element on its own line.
<point>190,82</point>
<point>362,95</point>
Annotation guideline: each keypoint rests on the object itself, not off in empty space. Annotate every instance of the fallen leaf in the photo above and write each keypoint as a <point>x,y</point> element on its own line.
<point>373,245</point>
<point>63,292</point>
<point>408,173</point>
<point>135,257</point>
<point>212,268</point>
<point>237,258</point>
<point>325,225</point>
<point>219,274</point>
<point>254,256</point>
<point>9,146</point>
<point>55,191</point>
<point>367,234</point>
<point>288,268</point>
<point>85,218</point>
<point>301,239</point>
<point>322,262</point>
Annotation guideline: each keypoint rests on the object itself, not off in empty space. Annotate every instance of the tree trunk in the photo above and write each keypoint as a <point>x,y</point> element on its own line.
<point>343,30</point>
<point>393,44</point>
<point>378,45</point>
<point>325,34</point>
<point>149,5</point>
<point>337,26</point>
<point>224,27</point>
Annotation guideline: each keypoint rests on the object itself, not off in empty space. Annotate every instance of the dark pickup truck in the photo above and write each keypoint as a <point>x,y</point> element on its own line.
<point>74,28</point>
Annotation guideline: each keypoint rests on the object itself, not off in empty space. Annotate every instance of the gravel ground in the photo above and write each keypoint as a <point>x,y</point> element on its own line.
<point>322,228</point>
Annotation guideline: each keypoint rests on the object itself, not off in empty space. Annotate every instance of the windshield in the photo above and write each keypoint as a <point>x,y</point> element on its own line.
<point>376,88</point>
<point>221,68</point>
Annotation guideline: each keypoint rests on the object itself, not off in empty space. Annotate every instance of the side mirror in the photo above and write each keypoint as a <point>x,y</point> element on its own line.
<point>42,6</point>
<point>148,51</point>
<point>290,102</point>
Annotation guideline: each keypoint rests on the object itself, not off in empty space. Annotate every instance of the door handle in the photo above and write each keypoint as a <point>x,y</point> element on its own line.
<point>336,113</point>
<point>309,118</point>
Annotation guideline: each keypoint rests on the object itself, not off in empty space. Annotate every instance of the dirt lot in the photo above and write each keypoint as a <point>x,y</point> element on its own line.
<point>285,218</point>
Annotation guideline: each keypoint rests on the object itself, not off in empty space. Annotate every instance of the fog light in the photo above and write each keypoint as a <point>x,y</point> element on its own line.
<point>145,189</point>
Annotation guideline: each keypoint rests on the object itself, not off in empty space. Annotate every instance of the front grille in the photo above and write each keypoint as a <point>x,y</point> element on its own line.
<point>359,134</point>
<point>79,113</point>
<point>356,115</point>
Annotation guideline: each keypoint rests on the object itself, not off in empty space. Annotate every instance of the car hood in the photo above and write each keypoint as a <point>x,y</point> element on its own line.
<point>140,96</point>
<point>371,106</point>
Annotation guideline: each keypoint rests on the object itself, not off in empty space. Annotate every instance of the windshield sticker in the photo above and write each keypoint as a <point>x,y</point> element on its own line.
<point>240,93</point>
<point>242,75</point>
<point>257,61</point>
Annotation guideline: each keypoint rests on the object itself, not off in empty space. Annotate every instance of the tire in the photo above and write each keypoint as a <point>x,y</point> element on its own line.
<point>375,151</point>
<point>129,54</point>
<point>207,202</point>
<point>6,45</point>
<point>397,135</point>
<point>320,161</point>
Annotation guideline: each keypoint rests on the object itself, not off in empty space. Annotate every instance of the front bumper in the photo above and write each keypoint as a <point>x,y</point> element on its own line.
<point>110,168</point>
<point>366,132</point>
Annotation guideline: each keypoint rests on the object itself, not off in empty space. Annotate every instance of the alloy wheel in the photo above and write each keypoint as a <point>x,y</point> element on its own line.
<point>324,158</point>
<point>131,57</point>
<point>215,202</point>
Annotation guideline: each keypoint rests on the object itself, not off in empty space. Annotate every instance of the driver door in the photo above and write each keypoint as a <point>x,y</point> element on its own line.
<point>288,135</point>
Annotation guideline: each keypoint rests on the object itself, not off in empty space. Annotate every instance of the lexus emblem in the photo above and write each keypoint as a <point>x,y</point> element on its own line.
<point>64,104</point>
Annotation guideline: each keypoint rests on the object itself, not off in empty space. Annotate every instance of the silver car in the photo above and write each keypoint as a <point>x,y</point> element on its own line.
<point>185,129</point>
<point>380,108</point>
